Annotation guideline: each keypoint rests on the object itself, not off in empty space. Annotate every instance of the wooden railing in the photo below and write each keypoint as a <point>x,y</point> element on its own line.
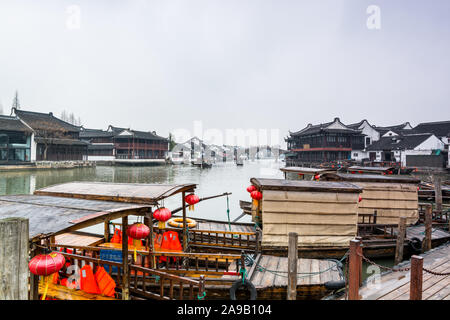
<point>142,282</point>
<point>239,240</point>
<point>192,264</point>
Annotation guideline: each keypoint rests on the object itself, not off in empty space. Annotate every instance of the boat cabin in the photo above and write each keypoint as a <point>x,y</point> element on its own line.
<point>324,214</point>
<point>303,173</point>
<point>389,197</point>
<point>371,170</point>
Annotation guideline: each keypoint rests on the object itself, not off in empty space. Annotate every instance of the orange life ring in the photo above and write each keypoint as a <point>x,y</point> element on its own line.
<point>178,222</point>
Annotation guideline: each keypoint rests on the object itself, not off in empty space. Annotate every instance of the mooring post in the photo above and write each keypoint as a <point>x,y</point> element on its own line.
<point>426,244</point>
<point>354,268</point>
<point>415,287</point>
<point>292,266</point>
<point>360,253</point>
<point>14,245</point>
<point>401,233</point>
<point>437,193</point>
<point>125,265</point>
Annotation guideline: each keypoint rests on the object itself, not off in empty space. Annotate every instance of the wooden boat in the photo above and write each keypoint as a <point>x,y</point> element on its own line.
<point>213,252</point>
<point>303,173</point>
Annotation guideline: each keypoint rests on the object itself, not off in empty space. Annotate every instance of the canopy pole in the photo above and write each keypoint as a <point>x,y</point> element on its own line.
<point>183,204</point>
<point>148,221</point>
<point>125,266</point>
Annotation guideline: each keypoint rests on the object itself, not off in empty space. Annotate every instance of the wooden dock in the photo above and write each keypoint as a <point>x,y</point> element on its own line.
<point>438,236</point>
<point>270,277</point>
<point>396,285</point>
<point>271,281</point>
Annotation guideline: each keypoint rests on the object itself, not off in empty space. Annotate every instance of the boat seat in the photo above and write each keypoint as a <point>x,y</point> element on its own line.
<point>60,292</point>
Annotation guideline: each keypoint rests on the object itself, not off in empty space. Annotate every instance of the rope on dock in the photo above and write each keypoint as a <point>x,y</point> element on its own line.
<point>305,274</point>
<point>403,269</point>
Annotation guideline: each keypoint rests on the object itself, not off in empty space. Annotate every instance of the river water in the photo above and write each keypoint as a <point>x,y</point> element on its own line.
<point>222,177</point>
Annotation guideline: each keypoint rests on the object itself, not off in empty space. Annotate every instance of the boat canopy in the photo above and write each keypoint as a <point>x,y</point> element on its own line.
<point>368,178</point>
<point>49,216</point>
<point>119,192</point>
<point>304,185</point>
<point>379,170</point>
<point>306,170</point>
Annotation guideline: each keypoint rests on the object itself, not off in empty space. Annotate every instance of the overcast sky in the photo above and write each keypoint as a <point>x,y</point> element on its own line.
<point>160,65</point>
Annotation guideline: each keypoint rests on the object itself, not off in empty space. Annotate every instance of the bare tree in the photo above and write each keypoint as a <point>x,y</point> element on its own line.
<point>70,118</point>
<point>48,138</point>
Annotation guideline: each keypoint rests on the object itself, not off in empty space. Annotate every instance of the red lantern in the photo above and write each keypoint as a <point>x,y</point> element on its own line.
<point>353,172</point>
<point>137,231</point>
<point>251,188</point>
<point>45,265</point>
<point>256,196</point>
<point>316,177</point>
<point>162,215</point>
<point>360,171</point>
<point>360,198</point>
<point>389,172</point>
<point>191,199</point>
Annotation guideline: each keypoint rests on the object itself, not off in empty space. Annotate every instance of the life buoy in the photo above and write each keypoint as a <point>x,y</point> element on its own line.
<point>416,245</point>
<point>246,283</point>
<point>178,222</point>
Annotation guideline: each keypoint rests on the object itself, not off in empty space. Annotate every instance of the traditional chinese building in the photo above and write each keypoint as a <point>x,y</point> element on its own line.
<point>124,143</point>
<point>15,141</point>
<point>326,142</point>
<point>54,139</point>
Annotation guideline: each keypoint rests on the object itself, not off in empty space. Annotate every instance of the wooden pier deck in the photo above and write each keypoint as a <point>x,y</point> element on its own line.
<point>271,281</point>
<point>438,236</point>
<point>395,285</point>
<point>269,276</point>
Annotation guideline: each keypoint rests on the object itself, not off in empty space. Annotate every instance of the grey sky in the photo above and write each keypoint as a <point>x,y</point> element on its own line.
<point>160,65</point>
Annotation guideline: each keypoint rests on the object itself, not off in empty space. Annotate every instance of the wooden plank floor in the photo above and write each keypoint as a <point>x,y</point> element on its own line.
<point>395,285</point>
<point>78,238</point>
<point>262,278</point>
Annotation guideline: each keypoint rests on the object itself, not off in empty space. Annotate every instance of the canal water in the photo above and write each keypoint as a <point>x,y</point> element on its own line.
<point>222,177</point>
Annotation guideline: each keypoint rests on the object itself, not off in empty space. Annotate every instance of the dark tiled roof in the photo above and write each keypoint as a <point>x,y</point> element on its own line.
<point>8,123</point>
<point>439,129</point>
<point>355,125</point>
<point>397,128</point>
<point>310,129</point>
<point>137,134</point>
<point>45,121</point>
<point>401,142</point>
<point>95,133</point>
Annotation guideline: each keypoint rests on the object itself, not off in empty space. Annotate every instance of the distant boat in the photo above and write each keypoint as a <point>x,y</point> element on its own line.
<point>202,163</point>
